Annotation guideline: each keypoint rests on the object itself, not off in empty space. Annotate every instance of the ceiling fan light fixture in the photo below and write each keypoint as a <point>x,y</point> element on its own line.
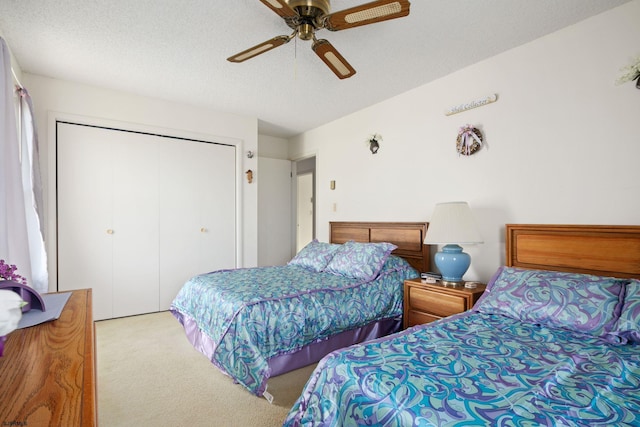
<point>305,31</point>
<point>373,13</point>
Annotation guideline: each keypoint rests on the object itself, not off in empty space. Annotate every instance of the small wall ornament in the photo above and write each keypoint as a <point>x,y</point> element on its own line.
<point>631,73</point>
<point>469,140</point>
<point>374,142</point>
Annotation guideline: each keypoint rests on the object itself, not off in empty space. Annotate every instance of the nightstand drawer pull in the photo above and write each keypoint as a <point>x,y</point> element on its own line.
<point>436,303</point>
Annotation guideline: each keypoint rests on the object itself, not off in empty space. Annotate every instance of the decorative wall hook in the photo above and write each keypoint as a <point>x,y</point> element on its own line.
<point>249,176</point>
<point>374,142</point>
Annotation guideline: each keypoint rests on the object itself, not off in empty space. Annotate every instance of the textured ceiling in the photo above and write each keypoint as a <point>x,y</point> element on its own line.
<point>177,50</point>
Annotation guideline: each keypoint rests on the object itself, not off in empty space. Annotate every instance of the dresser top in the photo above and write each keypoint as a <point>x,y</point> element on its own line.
<point>47,373</point>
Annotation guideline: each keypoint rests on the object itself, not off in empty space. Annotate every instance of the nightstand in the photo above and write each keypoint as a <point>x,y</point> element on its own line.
<point>427,302</point>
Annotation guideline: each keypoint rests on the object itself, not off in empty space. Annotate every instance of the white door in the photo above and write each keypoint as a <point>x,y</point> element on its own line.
<point>135,223</point>
<point>274,211</point>
<point>108,218</point>
<point>85,216</point>
<point>304,210</point>
<point>197,208</point>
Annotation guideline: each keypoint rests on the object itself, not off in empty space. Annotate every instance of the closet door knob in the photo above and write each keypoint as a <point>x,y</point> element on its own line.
<point>203,230</point>
<point>109,231</point>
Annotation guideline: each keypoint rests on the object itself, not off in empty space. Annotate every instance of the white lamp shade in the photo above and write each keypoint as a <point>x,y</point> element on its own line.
<point>452,222</point>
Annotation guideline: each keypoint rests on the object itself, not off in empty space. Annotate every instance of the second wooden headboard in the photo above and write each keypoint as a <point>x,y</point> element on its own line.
<point>602,250</point>
<point>407,236</point>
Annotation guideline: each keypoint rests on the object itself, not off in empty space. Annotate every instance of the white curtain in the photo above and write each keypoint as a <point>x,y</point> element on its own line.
<point>21,241</point>
<point>32,188</point>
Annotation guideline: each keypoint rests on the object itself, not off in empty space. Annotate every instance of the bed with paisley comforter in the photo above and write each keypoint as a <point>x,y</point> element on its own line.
<point>554,341</point>
<point>254,323</point>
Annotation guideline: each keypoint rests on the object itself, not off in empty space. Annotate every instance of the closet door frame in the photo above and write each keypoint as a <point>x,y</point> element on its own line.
<point>52,220</point>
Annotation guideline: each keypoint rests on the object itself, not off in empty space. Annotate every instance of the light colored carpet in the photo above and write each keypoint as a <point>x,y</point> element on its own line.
<point>149,375</point>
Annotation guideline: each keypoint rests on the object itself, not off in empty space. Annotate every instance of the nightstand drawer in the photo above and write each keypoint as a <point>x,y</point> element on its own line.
<point>418,318</point>
<point>436,303</point>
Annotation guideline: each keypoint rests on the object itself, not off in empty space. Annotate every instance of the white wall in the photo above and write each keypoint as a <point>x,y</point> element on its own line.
<point>563,142</point>
<point>273,147</point>
<point>54,98</point>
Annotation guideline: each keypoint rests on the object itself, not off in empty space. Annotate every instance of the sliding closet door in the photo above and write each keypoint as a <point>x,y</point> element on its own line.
<point>197,208</point>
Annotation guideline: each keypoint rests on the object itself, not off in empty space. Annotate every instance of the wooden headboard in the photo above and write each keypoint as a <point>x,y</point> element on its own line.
<point>407,236</point>
<point>602,250</point>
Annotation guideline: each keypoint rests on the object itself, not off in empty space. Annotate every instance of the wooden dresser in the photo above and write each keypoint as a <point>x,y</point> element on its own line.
<point>47,373</point>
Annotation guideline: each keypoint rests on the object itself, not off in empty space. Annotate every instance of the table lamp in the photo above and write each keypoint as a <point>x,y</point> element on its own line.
<point>452,224</point>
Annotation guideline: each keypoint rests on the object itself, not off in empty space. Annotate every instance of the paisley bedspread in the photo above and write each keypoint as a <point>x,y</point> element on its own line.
<point>475,369</point>
<point>254,314</point>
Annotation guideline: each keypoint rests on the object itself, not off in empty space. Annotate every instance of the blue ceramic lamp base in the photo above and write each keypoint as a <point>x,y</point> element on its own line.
<point>452,263</point>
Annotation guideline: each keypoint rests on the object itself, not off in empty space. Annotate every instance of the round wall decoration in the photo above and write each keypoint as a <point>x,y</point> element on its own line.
<point>469,140</point>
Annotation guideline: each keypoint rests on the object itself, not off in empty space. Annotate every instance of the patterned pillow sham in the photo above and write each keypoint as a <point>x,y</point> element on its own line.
<point>627,328</point>
<point>580,302</point>
<point>360,260</point>
<point>315,256</point>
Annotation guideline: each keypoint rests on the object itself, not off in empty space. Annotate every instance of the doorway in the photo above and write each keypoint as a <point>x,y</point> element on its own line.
<point>304,233</point>
<point>305,202</point>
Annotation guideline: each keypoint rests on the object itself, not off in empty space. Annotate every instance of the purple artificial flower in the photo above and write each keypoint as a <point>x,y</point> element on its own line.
<point>7,272</point>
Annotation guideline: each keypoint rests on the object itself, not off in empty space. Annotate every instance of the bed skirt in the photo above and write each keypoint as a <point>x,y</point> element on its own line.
<point>307,355</point>
<point>313,352</point>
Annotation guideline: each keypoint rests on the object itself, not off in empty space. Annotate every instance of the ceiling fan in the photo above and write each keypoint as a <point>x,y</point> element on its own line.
<point>306,17</point>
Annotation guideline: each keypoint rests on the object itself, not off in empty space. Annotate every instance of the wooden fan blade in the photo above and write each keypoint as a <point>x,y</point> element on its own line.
<point>333,59</point>
<point>258,49</point>
<point>368,13</point>
<point>281,8</point>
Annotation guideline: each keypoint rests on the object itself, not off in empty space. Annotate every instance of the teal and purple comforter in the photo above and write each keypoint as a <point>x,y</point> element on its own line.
<point>250,315</point>
<point>539,349</point>
<point>476,369</point>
